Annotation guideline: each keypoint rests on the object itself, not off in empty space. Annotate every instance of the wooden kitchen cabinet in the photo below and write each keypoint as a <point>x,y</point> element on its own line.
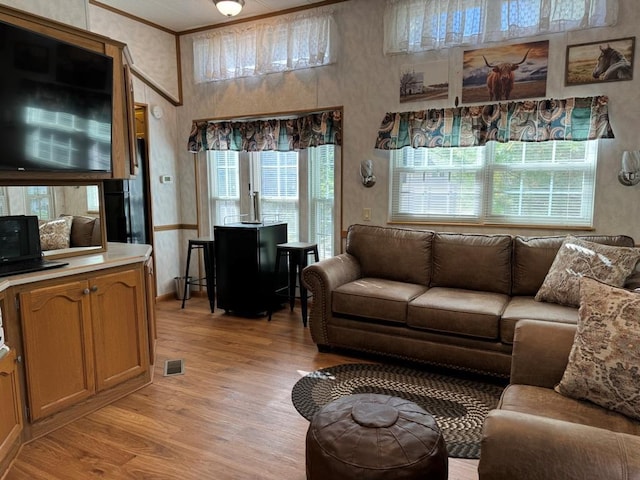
<point>10,409</point>
<point>118,306</point>
<point>82,336</point>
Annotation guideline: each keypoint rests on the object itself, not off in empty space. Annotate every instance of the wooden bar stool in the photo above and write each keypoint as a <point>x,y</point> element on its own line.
<point>206,245</point>
<point>297,255</point>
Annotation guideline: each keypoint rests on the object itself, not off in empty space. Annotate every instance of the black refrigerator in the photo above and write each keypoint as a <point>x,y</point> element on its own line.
<point>126,204</point>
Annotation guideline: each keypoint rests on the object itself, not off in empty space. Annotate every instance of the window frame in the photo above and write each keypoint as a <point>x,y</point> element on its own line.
<point>487,191</point>
<point>250,168</point>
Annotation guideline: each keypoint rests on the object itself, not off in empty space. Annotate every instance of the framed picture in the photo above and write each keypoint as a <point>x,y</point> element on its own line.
<point>605,61</point>
<point>507,72</point>
<point>424,82</point>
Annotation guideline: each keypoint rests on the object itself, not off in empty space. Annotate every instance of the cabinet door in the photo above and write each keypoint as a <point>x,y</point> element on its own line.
<point>151,308</point>
<point>10,405</point>
<point>236,268</point>
<point>119,327</point>
<point>58,339</point>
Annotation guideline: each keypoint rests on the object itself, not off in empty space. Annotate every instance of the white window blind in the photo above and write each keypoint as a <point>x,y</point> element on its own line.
<point>273,45</point>
<point>4,201</point>
<point>39,201</point>
<point>224,181</point>
<point>515,183</point>
<point>279,189</point>
<point>542,184</point>
<point>419,25</point>
<point>93,199</point>
<point>322,198</point>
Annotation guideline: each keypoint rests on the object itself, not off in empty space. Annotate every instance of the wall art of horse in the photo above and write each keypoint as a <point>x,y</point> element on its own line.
<point>612,65</point>
<point>605,61</point>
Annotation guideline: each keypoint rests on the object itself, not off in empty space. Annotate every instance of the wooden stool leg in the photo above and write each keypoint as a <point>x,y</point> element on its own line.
<point>275,273</point>
<point>303,291</point>
<point>293,262</point>
<point>209,269</point>
<point>186,277</point>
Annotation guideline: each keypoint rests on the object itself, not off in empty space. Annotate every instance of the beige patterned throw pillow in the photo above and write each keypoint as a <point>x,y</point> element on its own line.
<point>56,233</point>
<point>604,363</point>
<point>577,258</point>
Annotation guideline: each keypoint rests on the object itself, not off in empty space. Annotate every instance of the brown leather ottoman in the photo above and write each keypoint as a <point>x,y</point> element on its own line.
<point>370,436</point>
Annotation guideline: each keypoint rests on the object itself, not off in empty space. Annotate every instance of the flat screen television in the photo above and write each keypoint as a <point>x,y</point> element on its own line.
<point>55,104</point>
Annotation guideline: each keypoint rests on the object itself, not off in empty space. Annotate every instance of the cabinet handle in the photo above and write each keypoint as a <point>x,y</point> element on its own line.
<point>19,359</point>
<point>94,288</point>
<point>86,291</point>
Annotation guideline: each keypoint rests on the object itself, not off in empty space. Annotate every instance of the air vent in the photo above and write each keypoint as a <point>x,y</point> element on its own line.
<point>173,367</point>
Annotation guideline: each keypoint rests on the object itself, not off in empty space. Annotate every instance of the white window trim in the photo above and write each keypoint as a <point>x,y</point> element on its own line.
<point>484,204</point>
<point>206,197</point>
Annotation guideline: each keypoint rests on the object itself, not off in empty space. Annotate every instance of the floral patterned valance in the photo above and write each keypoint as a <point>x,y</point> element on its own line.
<point>575,119</point>
<point>310,130</point>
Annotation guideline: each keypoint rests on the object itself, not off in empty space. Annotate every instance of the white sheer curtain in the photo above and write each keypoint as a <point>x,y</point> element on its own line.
<point>274,45</point>
<point>419,25</point>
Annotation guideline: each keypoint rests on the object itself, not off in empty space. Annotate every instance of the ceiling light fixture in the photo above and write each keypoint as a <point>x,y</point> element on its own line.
<point>229,8</point>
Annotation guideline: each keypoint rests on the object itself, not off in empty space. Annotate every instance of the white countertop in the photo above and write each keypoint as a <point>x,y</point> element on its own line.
<point>117,254</point>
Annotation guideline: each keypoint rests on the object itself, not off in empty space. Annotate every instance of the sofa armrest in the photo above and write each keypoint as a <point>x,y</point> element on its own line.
<point>529,447</point>
<point>321,279</point>
<point>540,352</point>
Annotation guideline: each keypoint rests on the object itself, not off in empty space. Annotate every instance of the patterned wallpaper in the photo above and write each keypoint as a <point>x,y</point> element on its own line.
<point>71,12</point>
<point>153,50</point>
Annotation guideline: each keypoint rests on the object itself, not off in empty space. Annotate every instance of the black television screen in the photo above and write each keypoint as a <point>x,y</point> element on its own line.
<point>55,104</point>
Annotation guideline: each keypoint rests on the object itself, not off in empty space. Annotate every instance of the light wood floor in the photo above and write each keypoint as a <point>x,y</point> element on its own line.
<point>229,416</point>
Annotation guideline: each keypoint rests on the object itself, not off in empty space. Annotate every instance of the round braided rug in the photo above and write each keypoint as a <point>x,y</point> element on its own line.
<point>458,405</point>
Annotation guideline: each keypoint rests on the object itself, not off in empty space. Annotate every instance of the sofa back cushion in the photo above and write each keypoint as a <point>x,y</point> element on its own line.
<point>533,256</point>
<point>472,261</point>
<point>397,254</point>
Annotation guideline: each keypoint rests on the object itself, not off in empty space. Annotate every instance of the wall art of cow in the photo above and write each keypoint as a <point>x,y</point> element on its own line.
<point>501,78</point>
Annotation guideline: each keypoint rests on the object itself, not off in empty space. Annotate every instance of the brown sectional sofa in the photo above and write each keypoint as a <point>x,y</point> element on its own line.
<point>450,299</point>
<point>538,434</point>
<point>80,231</point>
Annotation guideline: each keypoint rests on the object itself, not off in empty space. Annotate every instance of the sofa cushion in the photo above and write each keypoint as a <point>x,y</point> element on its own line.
<point>472,262</point>
<point>392,253</point>
<point>375,298</point>
<point>545,402</point>
<point>457,311</point>
<point>55,234</point>
<point>526,307</point>
<point>577,258</point>
<point>82,231</point>
<point>96,234</point>
<point>533,256</point>
<point>633,280</point>
<point>605,357</point>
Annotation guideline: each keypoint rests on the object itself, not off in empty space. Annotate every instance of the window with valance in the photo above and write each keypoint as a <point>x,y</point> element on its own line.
<point>281,134</point>
<point>291,162</point>
<point>527,163</point>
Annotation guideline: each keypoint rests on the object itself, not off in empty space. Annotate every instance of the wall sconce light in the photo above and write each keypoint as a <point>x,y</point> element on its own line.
<point>366,173</point>
<point>229,8</point>
<point>630,173</point>
<point>157,112</point>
